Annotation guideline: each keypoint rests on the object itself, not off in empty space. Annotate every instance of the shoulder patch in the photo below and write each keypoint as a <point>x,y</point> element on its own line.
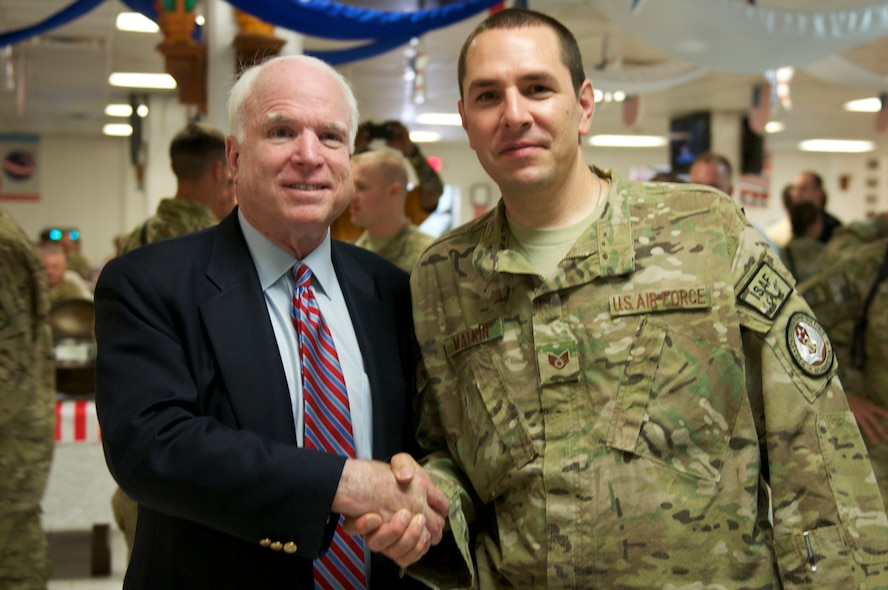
<point>809,345</point>
<point>766,291</point>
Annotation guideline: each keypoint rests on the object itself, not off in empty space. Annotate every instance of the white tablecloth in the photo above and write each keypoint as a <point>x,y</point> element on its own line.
<point>78,494</point>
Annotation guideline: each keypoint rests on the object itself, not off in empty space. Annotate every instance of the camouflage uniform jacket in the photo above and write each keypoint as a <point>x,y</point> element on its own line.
<point>837,296</point>
<point>849,236</point>
<point>622,423</point>
<point>174,217</point>
<point>404,247</point>
<point>27,373</point>
<point>802,256</point>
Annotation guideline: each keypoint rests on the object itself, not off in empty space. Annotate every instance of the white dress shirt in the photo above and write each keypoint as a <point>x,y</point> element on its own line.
<point>273,266</point>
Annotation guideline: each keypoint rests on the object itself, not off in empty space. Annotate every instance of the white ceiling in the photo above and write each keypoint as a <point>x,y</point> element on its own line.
<point>57,84</point>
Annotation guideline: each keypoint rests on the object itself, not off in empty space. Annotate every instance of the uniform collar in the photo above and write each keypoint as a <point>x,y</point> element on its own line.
<point>604,249</point>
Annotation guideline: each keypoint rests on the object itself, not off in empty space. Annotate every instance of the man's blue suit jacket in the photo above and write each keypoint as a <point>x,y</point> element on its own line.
<point>196,417</point>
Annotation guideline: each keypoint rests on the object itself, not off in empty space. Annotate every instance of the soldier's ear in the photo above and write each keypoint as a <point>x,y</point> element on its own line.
<point>217,170</point>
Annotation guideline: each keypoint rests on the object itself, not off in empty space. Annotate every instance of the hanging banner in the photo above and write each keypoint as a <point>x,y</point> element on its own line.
<point>19,180</point>
<point>760,111</point>
<point>631,110</point>
<point>882,115</point>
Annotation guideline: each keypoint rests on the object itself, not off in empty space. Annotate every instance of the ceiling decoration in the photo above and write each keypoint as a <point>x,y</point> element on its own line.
<point>755,38</point>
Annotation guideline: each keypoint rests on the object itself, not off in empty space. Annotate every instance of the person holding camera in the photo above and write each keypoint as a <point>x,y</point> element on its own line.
<point>421,200</point>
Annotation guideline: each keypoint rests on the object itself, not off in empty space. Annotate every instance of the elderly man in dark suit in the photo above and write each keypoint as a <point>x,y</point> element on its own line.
<point>203,375</point>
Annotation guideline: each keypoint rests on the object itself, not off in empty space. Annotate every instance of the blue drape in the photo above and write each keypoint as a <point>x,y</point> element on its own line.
<point>62,17</point>
<point>319,18</point>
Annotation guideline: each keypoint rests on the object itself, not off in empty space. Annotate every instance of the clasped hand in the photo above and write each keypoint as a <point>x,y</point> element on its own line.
<point>396,507</point>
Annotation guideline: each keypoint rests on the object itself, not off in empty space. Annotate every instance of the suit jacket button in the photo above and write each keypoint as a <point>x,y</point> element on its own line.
<point>265,543</point>
<point>290,547</point>
<point>277,546</point>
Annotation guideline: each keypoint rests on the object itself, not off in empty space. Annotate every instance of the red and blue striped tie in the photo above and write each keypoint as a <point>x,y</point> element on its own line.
<point>327,425</point>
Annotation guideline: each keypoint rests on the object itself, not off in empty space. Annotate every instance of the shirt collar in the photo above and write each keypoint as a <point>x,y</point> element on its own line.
<point>272,262</point>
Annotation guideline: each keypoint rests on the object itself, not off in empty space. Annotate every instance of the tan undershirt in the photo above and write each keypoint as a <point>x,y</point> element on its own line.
<point>546,247</point>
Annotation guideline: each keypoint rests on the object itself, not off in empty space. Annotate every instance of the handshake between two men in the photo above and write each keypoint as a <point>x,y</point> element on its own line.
<point>400,517</point>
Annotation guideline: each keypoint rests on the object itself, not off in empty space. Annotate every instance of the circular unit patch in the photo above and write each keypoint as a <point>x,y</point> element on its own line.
<point>808,344</point>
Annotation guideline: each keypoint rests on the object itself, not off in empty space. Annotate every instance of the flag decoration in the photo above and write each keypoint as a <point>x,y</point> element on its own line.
<point>76,421</point>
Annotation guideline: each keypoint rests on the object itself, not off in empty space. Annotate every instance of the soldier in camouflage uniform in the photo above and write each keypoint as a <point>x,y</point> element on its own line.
<point>838,295</point>
<point>421,200</point>
<point>850,236</point>
<point>197,157</point>
<point>622,382</point>
<point>378,206</point>
<point>27,417</point>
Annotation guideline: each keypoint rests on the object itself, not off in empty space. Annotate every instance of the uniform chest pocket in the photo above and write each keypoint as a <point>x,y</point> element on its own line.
<point>677,400</point>
<point>494,441</point>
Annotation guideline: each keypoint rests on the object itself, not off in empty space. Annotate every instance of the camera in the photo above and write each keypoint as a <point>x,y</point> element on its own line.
<point>380,131</point>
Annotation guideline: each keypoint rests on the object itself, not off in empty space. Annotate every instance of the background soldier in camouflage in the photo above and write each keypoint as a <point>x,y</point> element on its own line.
<point>204,190</point>
<point>27,417</point>
<point>850,236</point>
<point>837,295</point>
<point>378,207</point>
<point>421,200</point>
<point>622,381</point>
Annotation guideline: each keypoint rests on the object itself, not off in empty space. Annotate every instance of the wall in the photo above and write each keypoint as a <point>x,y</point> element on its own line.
<point>89,182</point>
<point>853,202</point>
<point>84,183</point>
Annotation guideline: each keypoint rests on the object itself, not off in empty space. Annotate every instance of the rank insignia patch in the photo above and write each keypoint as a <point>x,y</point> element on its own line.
<point>809,345</point>
<point>766,291</point>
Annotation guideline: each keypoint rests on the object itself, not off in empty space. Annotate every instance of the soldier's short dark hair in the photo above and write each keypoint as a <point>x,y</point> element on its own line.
<point>194,148</point>
<point>518,18</point>
<point>718,159</point>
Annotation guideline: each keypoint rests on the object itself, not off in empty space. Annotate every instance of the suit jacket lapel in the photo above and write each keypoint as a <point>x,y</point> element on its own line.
<point>376,339</point>
<point>243,340</point>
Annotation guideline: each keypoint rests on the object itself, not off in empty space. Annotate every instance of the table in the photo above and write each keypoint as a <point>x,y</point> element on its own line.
<point>78,493</point>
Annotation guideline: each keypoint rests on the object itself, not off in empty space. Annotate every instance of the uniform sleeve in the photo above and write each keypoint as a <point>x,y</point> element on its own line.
<point>27,374</point>
<point>449,565</point>
<point>830,526</point>
<point>26,365</point>
<point>836,295</point>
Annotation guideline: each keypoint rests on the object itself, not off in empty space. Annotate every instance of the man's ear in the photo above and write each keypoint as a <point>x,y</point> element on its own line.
<point>232,153</point>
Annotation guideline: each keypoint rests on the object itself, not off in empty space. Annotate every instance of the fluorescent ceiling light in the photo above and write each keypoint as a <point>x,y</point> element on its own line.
<point>616,96</point>
<point>836,145</point>
<point>424,136</point>
<point>774,127</point>
<point>452,119</point>
<point>864,105</point>
<point>117,129</point>
<point>118,110</point>
<point>639,141</point>
<point>133,80</point>
<point>136,22</point>
<point>125,110</point>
